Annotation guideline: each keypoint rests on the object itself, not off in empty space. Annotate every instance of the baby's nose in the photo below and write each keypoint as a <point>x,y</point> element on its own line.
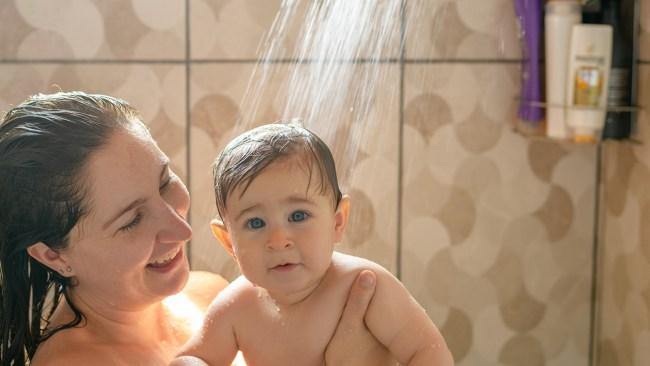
<point>279,240</point>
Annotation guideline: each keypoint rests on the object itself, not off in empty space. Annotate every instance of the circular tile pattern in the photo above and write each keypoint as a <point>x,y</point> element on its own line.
<point>50,16</point>
<point>543,157</point>
<point>459,333</point>
<point>215,114</point>
<point>478,133</point>
<point>556,213</point>
<point>522,313</point>
<point>427,113</point>
<point>168,14</point>
<point>458,215</point>
<point>522,350</point>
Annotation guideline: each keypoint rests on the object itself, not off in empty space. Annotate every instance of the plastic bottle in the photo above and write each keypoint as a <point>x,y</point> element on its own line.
<point>589,65</point>
<point>618,124</point>
<point>559,20</point>
<point>530,16</point>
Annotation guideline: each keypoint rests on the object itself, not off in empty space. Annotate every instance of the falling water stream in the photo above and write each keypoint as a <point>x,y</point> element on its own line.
<point>331,57</point>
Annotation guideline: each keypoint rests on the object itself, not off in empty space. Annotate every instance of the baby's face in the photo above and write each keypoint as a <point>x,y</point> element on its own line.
<point>283,233</point>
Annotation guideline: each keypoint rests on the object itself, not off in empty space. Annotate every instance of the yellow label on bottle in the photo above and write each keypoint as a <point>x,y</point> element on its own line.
<point>588,86</point>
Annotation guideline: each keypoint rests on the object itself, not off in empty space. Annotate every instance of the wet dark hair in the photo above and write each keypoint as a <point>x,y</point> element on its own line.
<point>44,145</point>
<point>245,157</point>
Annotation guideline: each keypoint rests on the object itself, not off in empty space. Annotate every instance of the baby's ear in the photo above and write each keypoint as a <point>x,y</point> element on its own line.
<point>341,218</point>
<point>220,232</point>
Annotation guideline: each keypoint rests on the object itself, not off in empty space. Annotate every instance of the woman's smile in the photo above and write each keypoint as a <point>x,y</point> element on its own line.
<point>167,261</point>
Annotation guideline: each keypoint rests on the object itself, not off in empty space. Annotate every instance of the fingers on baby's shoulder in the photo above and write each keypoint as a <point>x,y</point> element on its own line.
<point>385,280</point>
<point>381,272</point>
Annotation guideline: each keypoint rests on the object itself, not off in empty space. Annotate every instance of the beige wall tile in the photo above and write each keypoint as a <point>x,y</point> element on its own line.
<point>157,91</point>
<point>229,29</point>
<point>92,29</point>
<point>235,29</point>
<point>461,29</point>
<point>624,290</point>
<point>491,221</point>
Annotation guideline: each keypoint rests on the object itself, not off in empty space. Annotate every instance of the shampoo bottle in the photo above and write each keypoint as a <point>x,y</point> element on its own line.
<point>559,20</point>
<point>529,13</point>
<point>589,64</point>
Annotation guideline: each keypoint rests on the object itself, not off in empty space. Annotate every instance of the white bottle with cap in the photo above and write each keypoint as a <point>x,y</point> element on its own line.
<point>559,19</point>
<point>589,63</point>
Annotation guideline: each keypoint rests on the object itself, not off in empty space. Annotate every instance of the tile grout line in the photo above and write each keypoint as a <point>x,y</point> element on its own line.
<point>595,257</point>
<point>93,61</point>
<point>188,121</point>
<point>400,142</point>
<point>188,59</point>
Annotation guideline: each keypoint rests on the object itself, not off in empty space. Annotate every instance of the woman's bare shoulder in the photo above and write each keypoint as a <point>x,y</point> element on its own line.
<point>75,347</point>
<point>66,349</point>
<point>202,287</point>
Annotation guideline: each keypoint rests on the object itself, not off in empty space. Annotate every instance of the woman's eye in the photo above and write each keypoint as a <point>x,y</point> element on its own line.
<point>131,225</point>
<point>255,223</point>
<point>298,216</point>
<point>163,187</point>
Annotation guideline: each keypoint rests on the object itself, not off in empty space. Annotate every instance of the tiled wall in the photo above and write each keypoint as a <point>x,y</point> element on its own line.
<point>624,263</point>
<point>623,326</point>
<point>491,232</point>
<point>624,255</point>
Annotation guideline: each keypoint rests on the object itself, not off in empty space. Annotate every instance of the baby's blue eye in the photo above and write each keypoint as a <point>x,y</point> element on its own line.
<point>255,223</point>
<point>298,216</point>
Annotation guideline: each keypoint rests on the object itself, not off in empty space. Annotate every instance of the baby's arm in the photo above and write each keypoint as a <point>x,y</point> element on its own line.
<point>215,343</point>
<point>402,325</point>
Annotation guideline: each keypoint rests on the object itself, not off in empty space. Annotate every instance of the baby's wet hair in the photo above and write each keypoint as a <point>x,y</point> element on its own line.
<point>245,157</point>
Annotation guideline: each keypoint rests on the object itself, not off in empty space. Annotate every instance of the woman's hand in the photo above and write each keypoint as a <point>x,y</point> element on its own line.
<point>352,343</point>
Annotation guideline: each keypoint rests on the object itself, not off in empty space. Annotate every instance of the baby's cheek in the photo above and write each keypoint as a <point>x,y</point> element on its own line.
<point>246,258</point>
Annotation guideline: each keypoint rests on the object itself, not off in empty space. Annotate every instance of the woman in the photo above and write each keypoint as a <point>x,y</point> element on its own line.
<point>92,243</point>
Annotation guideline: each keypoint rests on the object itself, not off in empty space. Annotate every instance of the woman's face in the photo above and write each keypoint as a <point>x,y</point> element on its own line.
<point>128,251</point>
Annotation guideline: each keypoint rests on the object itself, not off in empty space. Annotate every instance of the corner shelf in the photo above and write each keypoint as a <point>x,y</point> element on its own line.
<point>535,134</point>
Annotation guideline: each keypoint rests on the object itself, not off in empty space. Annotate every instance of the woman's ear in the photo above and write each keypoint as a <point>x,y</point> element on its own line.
<point>341,218</point>
<point>50,258</point>
<point>220,232</point>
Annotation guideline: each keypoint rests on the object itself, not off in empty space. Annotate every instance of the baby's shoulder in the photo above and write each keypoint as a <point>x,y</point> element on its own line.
<point>235,297</point>
<point>347,267</point>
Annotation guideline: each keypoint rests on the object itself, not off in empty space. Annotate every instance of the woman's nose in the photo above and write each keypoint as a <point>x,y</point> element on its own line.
<point>279,240</point>
<point>173,226</point>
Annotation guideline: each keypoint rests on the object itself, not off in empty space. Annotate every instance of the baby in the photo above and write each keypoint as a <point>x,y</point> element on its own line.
<point>281,215</point>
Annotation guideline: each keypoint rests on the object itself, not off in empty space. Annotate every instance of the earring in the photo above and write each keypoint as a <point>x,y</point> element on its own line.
<point>68,269</point>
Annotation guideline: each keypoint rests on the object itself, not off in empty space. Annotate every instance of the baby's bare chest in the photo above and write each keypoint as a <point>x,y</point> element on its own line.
<point>296,336</point>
